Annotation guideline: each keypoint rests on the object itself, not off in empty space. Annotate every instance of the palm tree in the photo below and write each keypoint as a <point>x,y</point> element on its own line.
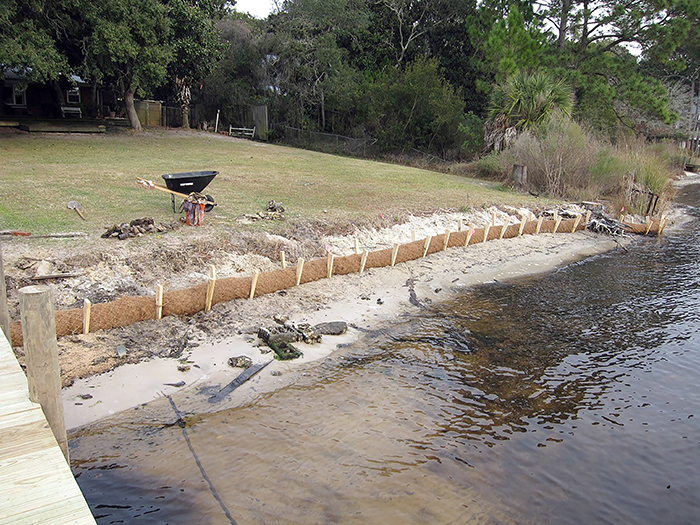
<point>526,100</point>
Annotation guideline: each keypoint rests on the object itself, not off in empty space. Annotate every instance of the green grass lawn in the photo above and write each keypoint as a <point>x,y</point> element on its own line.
<point>41,173</point>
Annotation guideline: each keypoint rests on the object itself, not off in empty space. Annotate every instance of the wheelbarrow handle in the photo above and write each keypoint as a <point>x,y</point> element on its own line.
<point>152,185</point>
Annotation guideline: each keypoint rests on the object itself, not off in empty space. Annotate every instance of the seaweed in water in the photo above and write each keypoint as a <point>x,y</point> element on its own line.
<point>284,351</point>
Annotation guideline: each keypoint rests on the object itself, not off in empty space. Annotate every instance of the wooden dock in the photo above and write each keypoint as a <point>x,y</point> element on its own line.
<point>36,483</point>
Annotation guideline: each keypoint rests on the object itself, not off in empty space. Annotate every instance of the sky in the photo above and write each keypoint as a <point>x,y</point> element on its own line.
<point>257,8</point>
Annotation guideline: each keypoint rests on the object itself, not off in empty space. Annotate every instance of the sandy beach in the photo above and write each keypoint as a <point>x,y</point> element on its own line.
<point>364,301</point>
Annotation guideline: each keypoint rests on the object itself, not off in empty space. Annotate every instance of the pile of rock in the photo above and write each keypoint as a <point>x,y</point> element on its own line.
<point>137,228</point>
<point>285,332</point>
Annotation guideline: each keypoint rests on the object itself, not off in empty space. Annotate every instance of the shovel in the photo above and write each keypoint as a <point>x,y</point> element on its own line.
<point>73,205</point>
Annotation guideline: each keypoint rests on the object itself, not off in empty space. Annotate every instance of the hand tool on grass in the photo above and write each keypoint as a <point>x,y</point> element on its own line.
<point>73,205</point>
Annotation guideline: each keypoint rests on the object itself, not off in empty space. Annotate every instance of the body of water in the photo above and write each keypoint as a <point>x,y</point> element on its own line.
<point>571,397</point>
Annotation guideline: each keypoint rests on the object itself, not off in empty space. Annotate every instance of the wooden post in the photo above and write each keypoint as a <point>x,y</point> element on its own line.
<point>539,225</point>
<point>426,245</point>
<point>159,301</point>
<point>469,235</point>
<point>210,287</point>
<point>493,218</point>
<point>504,228</point>
<point>363,261</point>
<point>329,264</point>
<point>87,309</point>
<point>254,283</point>
<point>216,126</point>
<point>4,310</point>
<point>487,228</point>
<point>576,223</point>
<point>447,240</point>
<point>283,260</point>
<point>460,224</point>
<point>650,222</point>
<point>662,224</point>
<point>522,227</point>
<point>413,236</point>
<point>300,269</point>
<point>394,253</point>
<point>43,371</point>
<point>557,222</point>
<point>588,217</point>
<point>357,246</point>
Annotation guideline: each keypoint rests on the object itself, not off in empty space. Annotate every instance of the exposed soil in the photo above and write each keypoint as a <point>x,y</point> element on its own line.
<point>111,268</point>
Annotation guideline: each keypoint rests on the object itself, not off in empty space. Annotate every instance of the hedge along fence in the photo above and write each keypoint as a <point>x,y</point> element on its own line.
<point>129,310</point>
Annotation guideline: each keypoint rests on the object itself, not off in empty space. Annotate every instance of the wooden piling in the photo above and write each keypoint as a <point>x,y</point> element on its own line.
<point>329,264</point>
<point>300,269</point>
<point>426,245</point>
<point>363,261</point>
<point>87,309</point>
<point>210,287</point>
<point>447,240</point>
<point>460,224</point>
<point>159,301</point>
<point>557,222</point>
<point>650,223</point>
<point>539,225</point>
<point>472,228</point>
<point>504,228</point>
<point>522,226</point>
<point>283,260</point>
<point>4,310</point>
<point>41,349</point>
<point>487,228</point>
<point>254,283</point>
<point>576,223</point>
<point>394,253</point>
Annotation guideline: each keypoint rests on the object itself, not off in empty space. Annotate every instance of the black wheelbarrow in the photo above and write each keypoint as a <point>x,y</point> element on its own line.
<point>189,182</point>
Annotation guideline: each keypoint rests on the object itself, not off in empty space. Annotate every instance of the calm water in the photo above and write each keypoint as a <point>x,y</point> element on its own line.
<point>567,398</point>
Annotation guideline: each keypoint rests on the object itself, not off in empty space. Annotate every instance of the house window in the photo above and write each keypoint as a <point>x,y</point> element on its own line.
<point>19,96</point>
<point>73,96</point>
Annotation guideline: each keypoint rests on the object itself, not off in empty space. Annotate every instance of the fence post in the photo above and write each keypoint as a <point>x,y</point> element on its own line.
<point>4,310</point>
<point>41,349</point>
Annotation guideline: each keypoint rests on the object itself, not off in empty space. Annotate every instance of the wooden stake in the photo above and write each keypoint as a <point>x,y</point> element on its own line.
<point>469,235</point>
<point>662,224</point>
<point>394,253</point>
<point>4,310</point>
<point>159,301</point>
<point>522,226</point>
<point>493,218</point>
<point>576,223</point>
<point>87,308</point>
<point>363,261</point>
<point>650,222</point>
<point>413,236</point>
<point>254,283</point>
<point>504,228</point>
<point>210,288</point>
<point>588,217</point>
<point>41,349</point>
<point>447,239</point>
<point>283,260</point>
<point>539,225</point>
<point>426,245</point>
<point>300,269</point>
<point>357,246</point>
<point>557,222</point>
<point>487,228</point>
<point>460,224</point>
<point>556,215</point>
<point>329,264</point>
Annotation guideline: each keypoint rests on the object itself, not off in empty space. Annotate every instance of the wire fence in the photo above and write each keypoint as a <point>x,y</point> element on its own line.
<point>329,142</point>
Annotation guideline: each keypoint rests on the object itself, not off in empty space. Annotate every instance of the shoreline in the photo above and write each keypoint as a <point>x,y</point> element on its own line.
<point>364,301</point>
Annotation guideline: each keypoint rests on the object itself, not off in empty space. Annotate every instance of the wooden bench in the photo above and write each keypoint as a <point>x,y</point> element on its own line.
<point>71,110</point>
<point>241,132</point>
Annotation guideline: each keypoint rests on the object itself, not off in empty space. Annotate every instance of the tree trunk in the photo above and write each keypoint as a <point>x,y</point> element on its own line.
<point>185,117</point>
<point>184,95</point>
<point>563,22</point>
<point>130,109</point>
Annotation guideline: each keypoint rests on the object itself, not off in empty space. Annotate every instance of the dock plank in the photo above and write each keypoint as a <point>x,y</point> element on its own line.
<point>36,484</point>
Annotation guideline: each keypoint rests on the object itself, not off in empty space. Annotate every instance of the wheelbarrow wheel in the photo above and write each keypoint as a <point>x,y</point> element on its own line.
<point>209,207</point>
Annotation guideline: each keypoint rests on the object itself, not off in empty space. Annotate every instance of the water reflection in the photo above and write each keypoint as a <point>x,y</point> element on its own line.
<point>568,398</point>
